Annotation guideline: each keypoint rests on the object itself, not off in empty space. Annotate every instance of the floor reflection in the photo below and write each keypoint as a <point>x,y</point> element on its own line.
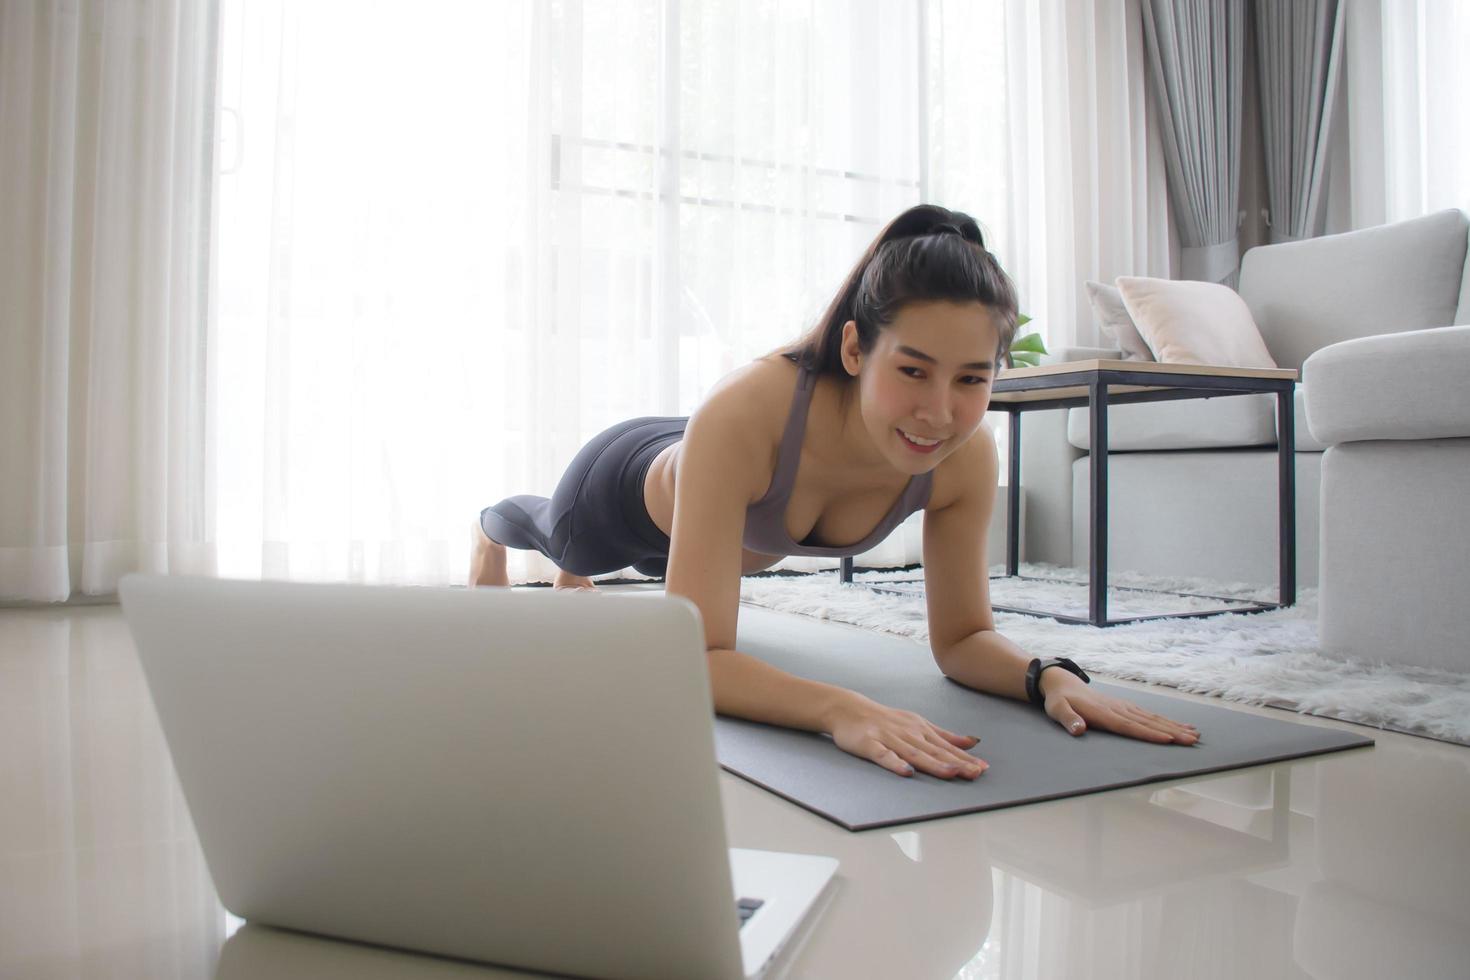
<point>263,953</point>
<point>1355,865</point>
<point>1149,882</point>
<point>913,903</point>
<point>100,870</point>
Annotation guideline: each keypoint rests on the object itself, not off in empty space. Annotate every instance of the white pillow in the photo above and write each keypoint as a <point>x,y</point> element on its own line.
<point>1112,317</point>
<point>1187,322</point>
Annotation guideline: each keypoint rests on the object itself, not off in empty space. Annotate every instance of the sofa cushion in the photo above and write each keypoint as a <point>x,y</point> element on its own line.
<point>1115,323</point>
<point>1216,423</point>
<point>1306,295</point>
<point>1186,322</point>
<point>1195,423</point>
<point>1066,355</point>
<point>1409,385</point>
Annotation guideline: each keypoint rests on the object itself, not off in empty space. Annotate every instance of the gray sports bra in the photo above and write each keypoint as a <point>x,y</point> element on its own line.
<point>765,520</point>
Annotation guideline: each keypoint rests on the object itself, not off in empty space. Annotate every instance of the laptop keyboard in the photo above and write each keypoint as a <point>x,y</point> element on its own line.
<point>747,907</point>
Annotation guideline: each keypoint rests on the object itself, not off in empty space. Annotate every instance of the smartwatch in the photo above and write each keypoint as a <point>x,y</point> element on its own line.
<point>1033,677</point>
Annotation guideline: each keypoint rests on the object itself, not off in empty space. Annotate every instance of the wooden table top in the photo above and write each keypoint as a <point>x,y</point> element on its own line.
<point>999,394</point>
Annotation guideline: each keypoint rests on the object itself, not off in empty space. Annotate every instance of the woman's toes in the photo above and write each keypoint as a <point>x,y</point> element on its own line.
<point>579,582</point>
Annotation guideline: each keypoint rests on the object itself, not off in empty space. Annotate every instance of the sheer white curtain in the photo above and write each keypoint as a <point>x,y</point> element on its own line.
<point>1408,130</point>
<point>458,240</point>
<point>106,170</point>
<point>1040,117</point>
<point>461,243</point>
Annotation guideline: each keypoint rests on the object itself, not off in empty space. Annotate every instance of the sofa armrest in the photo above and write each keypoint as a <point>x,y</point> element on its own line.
<point>1407,385</point>
<point>1063,355</point>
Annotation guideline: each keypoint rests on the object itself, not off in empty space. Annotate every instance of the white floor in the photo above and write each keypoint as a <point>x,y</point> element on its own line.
<point>1349,865</point>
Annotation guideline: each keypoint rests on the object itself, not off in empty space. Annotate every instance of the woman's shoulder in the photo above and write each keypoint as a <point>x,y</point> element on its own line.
<point>744,413</point>
<point>970,470</point>
<point>755,396</point>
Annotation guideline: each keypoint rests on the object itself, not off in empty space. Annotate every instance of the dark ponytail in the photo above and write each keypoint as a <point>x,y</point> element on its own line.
<point>926,253</point>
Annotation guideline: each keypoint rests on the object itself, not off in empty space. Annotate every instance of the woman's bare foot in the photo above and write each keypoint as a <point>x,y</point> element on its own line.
<point>566,580</point>
<point>487,560</point>
<point>487,565</point>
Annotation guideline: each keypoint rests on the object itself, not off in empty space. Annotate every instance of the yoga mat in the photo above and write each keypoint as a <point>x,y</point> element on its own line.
<point>1031,757</point>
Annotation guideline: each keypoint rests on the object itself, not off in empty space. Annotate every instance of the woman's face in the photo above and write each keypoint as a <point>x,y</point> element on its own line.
<point>927,377</point>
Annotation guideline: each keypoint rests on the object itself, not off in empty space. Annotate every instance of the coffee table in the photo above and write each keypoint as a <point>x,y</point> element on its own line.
<point>1098,384</point>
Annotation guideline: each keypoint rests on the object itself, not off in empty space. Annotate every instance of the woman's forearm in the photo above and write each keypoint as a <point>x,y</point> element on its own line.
<point>747,687</point>
<point>987,661</point>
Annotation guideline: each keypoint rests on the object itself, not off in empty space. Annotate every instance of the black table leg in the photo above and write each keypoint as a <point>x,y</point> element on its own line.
<point>845,572</point>
<point>1013,495</point>
<point>1097,416</point>
<point>1286,465</point>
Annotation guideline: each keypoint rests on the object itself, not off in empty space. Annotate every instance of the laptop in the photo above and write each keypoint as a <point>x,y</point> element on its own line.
<point>525,778</point>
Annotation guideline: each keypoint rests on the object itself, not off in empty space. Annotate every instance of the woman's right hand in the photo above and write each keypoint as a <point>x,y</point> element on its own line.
<point>901,741</point>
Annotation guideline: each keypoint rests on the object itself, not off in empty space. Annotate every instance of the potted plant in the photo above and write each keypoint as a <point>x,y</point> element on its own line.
<point>1025,351</point>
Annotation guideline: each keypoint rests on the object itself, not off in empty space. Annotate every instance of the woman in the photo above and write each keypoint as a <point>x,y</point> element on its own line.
<point>889,389</point>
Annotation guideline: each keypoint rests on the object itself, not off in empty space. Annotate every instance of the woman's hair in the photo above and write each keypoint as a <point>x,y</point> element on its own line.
<point>926,253</point>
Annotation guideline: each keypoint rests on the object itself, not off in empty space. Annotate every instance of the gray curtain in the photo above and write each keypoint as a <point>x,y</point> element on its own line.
<point>1196,53</point>
<point>1299,61</point>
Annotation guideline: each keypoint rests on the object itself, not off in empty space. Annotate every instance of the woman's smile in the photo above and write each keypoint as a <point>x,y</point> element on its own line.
<point>915,444</point>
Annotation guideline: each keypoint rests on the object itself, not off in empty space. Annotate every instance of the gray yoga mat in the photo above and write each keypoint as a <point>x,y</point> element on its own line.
<point>1031,757</point>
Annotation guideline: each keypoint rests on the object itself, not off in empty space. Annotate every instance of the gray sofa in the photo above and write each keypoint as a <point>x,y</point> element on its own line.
<point>1394,412</point>
<point>1192,484</point>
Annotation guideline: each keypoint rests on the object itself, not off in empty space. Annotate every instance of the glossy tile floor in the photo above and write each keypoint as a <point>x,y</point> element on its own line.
<point>1355,864</point>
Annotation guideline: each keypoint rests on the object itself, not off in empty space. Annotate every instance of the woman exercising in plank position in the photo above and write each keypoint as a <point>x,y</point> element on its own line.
<point>836,438</point>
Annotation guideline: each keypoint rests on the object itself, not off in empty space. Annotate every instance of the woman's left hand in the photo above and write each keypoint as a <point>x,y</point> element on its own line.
<point>1075,706</point>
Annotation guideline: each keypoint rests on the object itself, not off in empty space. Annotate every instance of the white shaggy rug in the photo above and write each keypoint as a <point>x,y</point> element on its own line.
<point>1267,658</point>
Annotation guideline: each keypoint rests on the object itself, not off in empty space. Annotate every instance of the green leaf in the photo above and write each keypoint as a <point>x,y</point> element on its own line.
<point>1031,343</point>
<point>1022,320</point>
<point>1025,359</point>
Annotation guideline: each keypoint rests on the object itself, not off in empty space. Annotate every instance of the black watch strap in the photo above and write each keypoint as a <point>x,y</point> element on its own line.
<point>1033,676</point>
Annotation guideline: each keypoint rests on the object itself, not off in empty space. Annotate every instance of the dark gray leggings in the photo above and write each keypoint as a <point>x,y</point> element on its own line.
<point>596,521</point>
